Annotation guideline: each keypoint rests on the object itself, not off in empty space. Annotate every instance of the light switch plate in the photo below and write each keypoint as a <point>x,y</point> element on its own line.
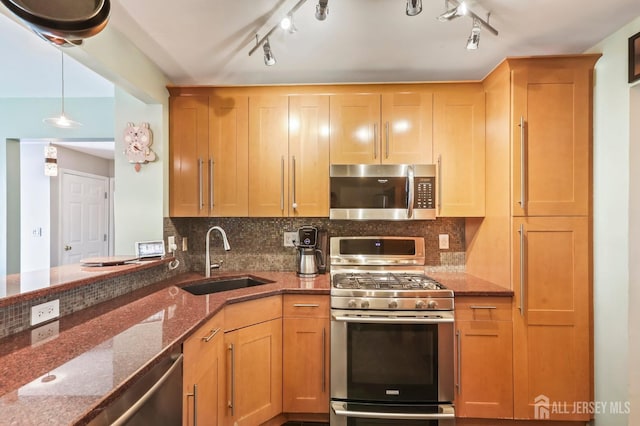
<point>443,241</point>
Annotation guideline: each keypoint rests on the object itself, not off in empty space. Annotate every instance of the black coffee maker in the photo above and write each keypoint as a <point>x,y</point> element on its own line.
<point>311,251</point>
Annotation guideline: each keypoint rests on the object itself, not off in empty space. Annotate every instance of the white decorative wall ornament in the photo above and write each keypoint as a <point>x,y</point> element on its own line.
<point>137,142</point>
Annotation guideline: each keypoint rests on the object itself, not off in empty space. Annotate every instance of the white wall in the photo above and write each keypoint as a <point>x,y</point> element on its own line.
<point>614,238</point>
<point>138,195</point>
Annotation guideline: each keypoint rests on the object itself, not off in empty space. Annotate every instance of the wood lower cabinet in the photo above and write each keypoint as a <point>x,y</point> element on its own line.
<point>253,344</point>
<point>484,348</point>
<point>552,329</point>
<point>459,150</point>
<point>306,354</point>
<point>204,358</point>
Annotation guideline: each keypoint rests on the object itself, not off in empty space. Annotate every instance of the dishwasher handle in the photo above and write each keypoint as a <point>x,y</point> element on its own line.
<point>127,415</point>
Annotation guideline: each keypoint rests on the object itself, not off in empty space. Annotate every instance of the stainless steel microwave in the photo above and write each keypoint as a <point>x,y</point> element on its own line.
<point>383,191</point>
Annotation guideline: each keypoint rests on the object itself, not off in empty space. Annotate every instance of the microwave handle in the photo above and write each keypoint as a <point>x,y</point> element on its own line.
<point>410,192</point>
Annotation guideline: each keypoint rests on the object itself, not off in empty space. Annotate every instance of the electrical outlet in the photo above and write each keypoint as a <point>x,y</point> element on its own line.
<point>171,244</point>
<point>290,239</point>
<point>45,333</point>
<point>45,312</point>
<point>443,241</point>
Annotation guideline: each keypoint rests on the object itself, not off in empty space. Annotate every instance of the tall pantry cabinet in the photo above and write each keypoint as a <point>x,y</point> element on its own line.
<point>536,236</point>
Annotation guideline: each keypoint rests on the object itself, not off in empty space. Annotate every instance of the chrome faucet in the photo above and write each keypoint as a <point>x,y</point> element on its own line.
<point>208,266</point>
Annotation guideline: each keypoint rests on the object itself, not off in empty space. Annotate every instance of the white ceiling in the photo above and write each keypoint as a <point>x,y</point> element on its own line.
<point>206,42</point>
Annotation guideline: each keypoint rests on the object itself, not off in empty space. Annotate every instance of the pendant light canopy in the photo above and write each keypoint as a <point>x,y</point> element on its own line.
<point>62,121</point>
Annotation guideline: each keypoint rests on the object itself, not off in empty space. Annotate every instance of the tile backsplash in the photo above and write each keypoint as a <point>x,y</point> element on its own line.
<point>257,243</point>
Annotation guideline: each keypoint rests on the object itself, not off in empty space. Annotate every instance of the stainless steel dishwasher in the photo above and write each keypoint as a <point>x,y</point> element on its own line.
<point>155,399</point>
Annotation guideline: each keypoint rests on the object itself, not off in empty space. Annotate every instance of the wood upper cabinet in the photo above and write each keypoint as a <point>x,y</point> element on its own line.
<point>189,153</point>
<point>388,128</point>
<point>551,134</point>
<point>552,333</point>
<point>228,167</point>
<point>484,348</point>
<point>288,155</point>
<point>203,378</point>
<point>459,150</point>
<point>209,160</point>
<point>306,354</point>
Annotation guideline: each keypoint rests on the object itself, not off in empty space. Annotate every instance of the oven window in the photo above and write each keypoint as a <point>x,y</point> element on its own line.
<point>392,362</point>
<point>368,193</point>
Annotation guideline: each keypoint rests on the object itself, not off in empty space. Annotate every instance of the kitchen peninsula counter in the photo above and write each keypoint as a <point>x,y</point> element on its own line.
<point>66,373</point>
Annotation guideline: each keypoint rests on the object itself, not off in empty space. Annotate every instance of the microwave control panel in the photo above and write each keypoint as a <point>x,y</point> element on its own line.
<point>425,196</point>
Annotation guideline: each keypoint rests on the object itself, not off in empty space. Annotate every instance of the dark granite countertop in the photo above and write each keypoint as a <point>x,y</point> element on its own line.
<point>95,354</point>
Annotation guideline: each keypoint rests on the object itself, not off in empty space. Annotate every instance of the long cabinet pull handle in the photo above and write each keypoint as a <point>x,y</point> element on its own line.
<point>211,183</point>
<point>306,305</point>
<point>523,164</point>
<point>439,194</point>
<point>200,185</point>
<point>232,399</point>
<point>212,334</point>
<point>386,144</point>
<point>459,360</point>
<point>282,183</point>
<point>482,307</point>
<point>375,141</point>
<point>324,357</point>
<point>293,180</point>
<point>522,257</point>
<point>195,404</point>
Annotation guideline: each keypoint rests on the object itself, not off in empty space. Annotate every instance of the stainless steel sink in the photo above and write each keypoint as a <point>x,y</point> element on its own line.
<point>224,284</point>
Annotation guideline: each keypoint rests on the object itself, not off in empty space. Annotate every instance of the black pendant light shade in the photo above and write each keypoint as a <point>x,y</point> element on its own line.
<point>62,22</point>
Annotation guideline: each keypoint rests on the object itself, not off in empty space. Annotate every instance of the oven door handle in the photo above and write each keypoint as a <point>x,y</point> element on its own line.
<point>446,412</point>
<point>391,320</point>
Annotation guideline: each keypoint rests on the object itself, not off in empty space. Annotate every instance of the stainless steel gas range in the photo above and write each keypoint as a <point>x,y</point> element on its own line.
<point>392,335</point>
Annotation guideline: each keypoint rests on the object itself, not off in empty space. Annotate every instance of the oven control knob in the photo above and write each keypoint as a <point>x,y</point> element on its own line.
<point>352,303</point>
<point>432,304</point>
<point>393,304</point>
<point>364,304</point>
<point>420,304</point>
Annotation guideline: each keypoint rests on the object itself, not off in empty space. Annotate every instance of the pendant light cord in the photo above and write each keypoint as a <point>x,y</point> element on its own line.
<point>62,64</point>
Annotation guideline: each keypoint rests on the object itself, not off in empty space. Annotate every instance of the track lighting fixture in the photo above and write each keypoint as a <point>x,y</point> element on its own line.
<point>269,59</point>
<point>414,7</point>
<point>453,12</point>
<point>287,24</point>
<point>322,9</point>
<point>474,38</point>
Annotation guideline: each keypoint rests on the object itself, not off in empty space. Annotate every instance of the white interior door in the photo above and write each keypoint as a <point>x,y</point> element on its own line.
<point>84,213</point>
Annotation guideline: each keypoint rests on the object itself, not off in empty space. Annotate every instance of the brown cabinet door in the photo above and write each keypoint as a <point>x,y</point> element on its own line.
<point>459,150</point>
<point>306,365</point>
<point>254,371</point>
<point>551,282</point>
<point>268,155</point>
<point>189,153</point>
<point>407,131</point>
<point>203,399</point>
<point>355,129</point>
<point>551,137</point>
<point>228,162</point>
<point>308,156</point>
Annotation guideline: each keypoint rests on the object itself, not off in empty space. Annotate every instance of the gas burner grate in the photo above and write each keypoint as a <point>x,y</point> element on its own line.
<point>386,281</point>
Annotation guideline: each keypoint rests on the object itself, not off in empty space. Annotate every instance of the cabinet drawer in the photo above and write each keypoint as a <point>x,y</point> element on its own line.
<point>297,305</point>
<point>200,343</point>
<point>252,312</point>
<point>483,308</point>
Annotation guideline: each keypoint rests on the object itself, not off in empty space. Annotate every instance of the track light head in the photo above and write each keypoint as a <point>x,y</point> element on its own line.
<point>474,37</point>
<point>454,12</point>
<point>414,7</point>
<point>269,59</point>
<point>322,9</point>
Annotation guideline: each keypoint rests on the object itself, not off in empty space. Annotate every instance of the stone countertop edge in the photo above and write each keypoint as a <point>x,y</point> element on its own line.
<point>68,277</point>
<point>85,330</point>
